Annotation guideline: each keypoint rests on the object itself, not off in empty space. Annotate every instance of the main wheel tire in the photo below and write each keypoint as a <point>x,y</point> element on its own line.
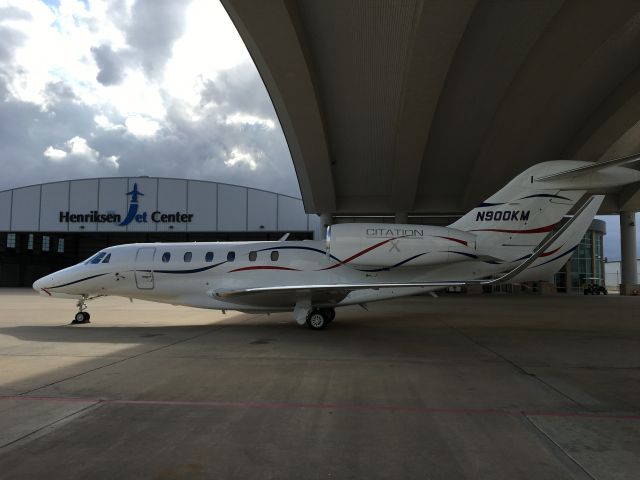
<point>317,319</point>
<point>81,317</point>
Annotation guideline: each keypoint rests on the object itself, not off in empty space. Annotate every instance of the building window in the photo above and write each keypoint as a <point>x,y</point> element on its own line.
<point>187,256</point>
<point>45,243</point>
<point>166,256</point>
<point>30,242</point>
<point>253,256</point>
<point>231,256</point>
<point>11,240</point>
<point>208,257</point>
<point>61,245</point>
<point>275,255</point>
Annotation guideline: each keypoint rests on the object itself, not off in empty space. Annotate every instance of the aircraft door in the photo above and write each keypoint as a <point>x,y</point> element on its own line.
<point>144,268</point>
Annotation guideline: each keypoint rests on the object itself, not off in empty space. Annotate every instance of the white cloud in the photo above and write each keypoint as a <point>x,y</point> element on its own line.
<point>113,161</point>
<point>211,33</point>
<point>78,149</point>
<point>240,118</point>
<point>104,123</point>
<point>136,95</point>
<point>175,81</point>
<point>57,46</point>
<point>142,127</point>
<point>54,154</point>
<point>79,146</point>
<point>238,157</point>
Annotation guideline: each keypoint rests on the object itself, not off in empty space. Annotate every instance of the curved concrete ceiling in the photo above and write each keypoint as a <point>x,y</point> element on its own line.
<point>428,107</point>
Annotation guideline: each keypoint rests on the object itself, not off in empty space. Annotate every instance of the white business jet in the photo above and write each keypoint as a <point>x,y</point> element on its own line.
<point>518,234</point>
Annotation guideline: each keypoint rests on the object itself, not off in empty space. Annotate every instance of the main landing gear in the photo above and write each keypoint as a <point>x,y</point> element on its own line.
<point>81,316</point>
<point>319,318</point>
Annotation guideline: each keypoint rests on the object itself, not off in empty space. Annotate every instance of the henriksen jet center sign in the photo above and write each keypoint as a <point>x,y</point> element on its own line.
<point>132,214</point>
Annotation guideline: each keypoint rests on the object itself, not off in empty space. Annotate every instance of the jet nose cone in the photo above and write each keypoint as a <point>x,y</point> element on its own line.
<point>40,286</point>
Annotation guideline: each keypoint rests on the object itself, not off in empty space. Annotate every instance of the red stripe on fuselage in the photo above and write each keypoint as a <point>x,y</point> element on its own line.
<point>546,254</point>
<point>546,229</point>
<point>360,253</point>
<point>266,267</point>
<point>463,242</point>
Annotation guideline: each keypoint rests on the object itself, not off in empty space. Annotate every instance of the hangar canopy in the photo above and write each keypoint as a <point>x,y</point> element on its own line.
<point>428,107</point>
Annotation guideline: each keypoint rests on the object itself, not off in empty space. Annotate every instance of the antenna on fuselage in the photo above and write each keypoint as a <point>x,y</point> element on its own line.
<point>284,237</point>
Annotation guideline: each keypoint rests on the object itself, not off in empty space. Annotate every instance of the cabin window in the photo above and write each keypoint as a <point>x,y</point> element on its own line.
<point>107,258</point>
<point>275,255</point>
<point>166,256</point>
<point>253,256</point>
<point>46,242</point>
<point>231,256</point>
<point>208,257</point>
<point>187,256</point>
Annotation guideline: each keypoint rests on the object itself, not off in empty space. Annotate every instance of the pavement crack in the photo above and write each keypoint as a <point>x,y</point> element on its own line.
<point>576,468</point>
<point>50,425</point>
<point>517,367</point>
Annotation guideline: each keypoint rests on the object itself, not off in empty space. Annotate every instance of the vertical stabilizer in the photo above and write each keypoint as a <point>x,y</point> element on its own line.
<point>513,221</point>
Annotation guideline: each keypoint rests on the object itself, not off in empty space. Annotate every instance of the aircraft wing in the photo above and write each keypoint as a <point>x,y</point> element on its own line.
<point>336,292</point>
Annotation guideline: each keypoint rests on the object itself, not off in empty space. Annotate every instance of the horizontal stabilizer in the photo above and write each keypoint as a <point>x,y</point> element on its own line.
<point>590,168</point>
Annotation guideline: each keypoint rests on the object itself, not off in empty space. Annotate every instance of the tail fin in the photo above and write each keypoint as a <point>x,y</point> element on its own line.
<point>513,221</point>
<point>556,254</point>
<point>510,223</point>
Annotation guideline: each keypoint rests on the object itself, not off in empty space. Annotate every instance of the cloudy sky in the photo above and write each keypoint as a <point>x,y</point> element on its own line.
<point>133,87</point>
<point>138,87</point>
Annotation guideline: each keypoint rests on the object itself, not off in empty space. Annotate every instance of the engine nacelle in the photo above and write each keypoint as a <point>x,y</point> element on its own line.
<point>393,245</point>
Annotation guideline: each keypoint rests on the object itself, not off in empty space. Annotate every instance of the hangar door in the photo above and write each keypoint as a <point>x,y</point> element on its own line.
<point>144,268</point>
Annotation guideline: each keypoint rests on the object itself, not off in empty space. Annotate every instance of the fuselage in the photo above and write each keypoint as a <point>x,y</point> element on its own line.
<point>193,273</point>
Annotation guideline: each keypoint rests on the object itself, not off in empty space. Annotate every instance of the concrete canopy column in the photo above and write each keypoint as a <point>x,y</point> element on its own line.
<point>402,217</point>
<point>326,219</point>
<point>628,265</point>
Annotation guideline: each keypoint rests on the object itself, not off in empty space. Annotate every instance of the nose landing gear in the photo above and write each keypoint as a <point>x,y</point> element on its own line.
<point>81,316</point>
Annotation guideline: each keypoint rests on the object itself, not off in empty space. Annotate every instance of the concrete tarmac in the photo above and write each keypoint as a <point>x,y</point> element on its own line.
<point>459,387</point>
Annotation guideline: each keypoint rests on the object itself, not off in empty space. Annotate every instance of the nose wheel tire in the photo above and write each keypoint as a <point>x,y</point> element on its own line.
<point>81,317</point>
<point>317,319</point>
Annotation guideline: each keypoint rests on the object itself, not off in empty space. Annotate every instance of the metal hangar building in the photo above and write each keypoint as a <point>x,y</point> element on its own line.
<point>50,226</point>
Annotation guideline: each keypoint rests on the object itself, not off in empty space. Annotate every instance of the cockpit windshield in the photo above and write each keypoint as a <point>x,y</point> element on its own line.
<point>96,258</point>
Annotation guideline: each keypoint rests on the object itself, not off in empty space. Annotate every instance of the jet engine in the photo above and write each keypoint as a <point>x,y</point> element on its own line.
<point>393,245</point>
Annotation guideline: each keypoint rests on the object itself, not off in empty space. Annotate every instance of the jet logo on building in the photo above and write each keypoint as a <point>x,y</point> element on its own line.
<point>132,214</point>
<point>133,208</point>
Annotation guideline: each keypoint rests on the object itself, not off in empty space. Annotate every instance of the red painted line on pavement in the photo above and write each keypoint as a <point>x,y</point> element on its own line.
<point>328,406</point>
